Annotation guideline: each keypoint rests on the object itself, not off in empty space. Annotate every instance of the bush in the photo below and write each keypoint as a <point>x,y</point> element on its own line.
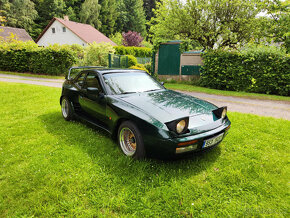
<point>131,60</point>
<point>132,38</point>
<point>96,54</point>
<point>28,57</point>
<point>117,38</point>
<point>148,67</point>
<point>256,69</point>
<point>147,44</point>
<point>139,67</point>
<point>52,60</point>
<point>135,51</point>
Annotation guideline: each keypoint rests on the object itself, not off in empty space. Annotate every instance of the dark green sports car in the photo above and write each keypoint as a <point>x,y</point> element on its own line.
<point>145,117</point>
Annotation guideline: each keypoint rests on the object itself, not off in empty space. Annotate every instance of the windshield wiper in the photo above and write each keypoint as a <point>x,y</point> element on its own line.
<point>151,90</point>
<point>127,92</point>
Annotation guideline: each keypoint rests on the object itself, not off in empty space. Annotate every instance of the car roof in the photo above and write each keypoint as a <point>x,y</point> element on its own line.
<point>109,70</point>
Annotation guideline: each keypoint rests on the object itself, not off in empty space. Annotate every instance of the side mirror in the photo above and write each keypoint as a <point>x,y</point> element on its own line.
<point>92,90</point>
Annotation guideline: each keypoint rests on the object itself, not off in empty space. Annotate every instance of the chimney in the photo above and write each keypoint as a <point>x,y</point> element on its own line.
<point>66,18</point>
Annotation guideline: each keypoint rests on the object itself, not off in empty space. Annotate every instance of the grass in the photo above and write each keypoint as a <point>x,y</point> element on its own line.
<point>50,167</point>
<point>192,88</point>
<point>32,75</point>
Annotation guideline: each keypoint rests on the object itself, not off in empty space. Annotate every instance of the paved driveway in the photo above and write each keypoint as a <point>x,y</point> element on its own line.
<point>277,109</point>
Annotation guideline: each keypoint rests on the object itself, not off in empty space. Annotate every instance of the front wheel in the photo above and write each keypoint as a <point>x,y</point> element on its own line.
<point>130,140</point>
<point>66,109</point>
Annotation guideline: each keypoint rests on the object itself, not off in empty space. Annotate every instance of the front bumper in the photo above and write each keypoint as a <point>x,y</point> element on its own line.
<point>184,145</point>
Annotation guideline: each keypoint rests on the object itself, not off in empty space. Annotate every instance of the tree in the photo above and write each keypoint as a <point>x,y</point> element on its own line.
<point>89,13</point>
<point>212,23</point>
<point>148,6</point>
<point>19,13</point>
<point>2,20</point>
<point>108,16</point>
<point>131,16</point>
<point>73,8</point>
<point>276,24</point>
<point>47,9</point>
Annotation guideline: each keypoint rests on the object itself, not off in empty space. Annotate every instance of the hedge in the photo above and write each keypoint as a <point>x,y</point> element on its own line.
<point>26,57</point>
<point>253,70</point>
<point>135,51</point>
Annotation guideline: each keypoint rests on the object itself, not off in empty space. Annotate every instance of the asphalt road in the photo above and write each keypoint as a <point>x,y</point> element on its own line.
<point>270,108</point>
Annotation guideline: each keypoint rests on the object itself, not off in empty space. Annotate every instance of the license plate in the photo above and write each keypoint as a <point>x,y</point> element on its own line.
<point>212,141</point>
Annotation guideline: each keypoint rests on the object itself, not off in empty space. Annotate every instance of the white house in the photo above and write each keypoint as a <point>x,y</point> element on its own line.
<point>64,31</point>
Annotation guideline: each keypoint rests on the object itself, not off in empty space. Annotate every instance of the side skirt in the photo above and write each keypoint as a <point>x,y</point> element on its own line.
<point>88,120</point>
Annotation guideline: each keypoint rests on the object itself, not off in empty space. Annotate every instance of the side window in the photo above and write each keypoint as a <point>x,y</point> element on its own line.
<point>53,30</point>
<point>80,79</point>
<point>93,81</point>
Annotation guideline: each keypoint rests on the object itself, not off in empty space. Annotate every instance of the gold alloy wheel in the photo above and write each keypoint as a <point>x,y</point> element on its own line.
<point>127,141</point>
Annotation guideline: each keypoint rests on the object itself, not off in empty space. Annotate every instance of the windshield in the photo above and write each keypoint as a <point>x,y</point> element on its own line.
<point>125,83</point>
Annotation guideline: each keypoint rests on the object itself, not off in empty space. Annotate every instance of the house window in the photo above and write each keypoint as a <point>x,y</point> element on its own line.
<point>53,30</point>
<point>64,29</point>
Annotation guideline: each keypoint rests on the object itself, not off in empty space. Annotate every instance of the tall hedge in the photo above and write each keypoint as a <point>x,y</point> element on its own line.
<point>135,51</point>
<point>28,57</point>
<point>252,70</point>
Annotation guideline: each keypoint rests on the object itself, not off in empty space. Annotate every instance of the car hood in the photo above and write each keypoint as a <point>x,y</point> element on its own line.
<point>168,105</point>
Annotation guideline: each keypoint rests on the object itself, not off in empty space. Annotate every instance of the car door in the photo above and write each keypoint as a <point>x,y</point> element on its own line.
<point>93,102</point>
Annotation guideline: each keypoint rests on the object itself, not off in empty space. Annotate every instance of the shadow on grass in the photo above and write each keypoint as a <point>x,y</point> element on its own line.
<point>104,151</point>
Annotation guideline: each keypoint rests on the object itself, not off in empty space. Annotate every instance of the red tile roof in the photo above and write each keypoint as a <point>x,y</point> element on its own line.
<point>21,34</point>
<point>84,31</point>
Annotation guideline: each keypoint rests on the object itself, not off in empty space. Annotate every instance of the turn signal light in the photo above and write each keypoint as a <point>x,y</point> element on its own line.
<point>187,143</point>
<point>228,127</point>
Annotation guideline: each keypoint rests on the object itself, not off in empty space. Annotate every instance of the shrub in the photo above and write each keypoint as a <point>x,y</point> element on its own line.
<point>148,67</point>
<point>52,60</point>
<point>96,54</point>
<point>256,69</point>
<point>117,38</point>
<point>27,56</point>
<point>131,60</point>
<point>132,38</point>
<point>15,56</point>
<point>147,44</point>
<point>139,67</point>
<point>135,51</point>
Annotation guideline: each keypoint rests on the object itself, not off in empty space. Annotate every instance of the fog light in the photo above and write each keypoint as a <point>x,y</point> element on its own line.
<point>186,149</point>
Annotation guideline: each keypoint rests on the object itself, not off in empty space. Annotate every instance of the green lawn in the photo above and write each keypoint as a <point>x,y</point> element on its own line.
<point>50,167</point>
<point>192,88</point>
<point>32,75</point>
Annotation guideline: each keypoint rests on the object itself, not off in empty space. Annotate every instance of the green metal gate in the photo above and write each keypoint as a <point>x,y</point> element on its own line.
<point>190,70</point>
<point>118,61</point>
<point>169,59</point>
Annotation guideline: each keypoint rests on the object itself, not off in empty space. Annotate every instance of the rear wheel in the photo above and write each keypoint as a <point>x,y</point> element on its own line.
<point>130,140</point>
<point>66,109</point>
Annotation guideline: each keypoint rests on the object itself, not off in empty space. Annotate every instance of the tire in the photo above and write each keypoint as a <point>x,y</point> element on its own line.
<point>130,140</point>
<point>66,109</point>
